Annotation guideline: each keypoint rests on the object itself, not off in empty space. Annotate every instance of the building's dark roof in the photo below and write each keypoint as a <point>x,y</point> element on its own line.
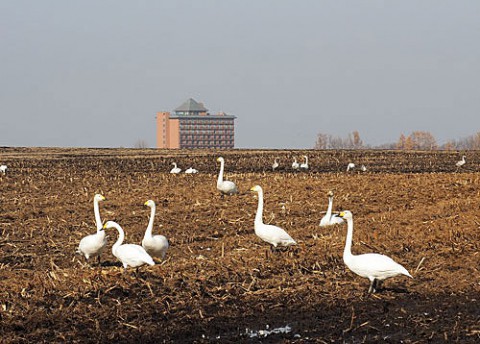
<point>190,105</point>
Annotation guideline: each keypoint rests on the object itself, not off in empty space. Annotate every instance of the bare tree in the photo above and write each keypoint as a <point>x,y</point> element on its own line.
<point>141,144</point>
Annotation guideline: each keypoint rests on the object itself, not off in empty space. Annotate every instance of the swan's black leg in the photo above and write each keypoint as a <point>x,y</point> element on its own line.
<point>373,286</point>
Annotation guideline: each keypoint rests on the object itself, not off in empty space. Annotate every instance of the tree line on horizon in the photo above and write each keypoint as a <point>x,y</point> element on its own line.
<point>417,140</point>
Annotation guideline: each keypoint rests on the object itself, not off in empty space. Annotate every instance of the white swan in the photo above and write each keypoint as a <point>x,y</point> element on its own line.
<point>225,186</point>
<point>272,234</point>
<point>155,245</point>
<point>330,219</point>
<point>129,254</point>
<point>295,164</point>
<point>304,165</point>
<point>350,166</point>
<point>3,169</point>
<point>191,170</point>
<point>376,267</point>
<point>275,164</point>
<point>92,245</point>
<point>460,163</point>
<point>175,169</point>
<point>363,168</point>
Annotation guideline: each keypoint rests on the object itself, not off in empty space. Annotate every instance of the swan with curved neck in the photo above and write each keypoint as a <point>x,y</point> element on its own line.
<point>175,169</point>
<point>376,267</point>
<point>304,165</point>
<point>272,234</point>
<point>461,162</point>
<point>295,164</point>
<point>330,219</point>
<point>129,254</point>
<point>155,245</point>
<point>275,164</point>
<point>226,187</point>
<point>92,245</point>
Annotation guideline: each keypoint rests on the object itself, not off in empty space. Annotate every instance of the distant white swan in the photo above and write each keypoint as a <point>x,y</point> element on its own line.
<point>376,267</point>
<point>295,165</point>
<point>460,163</point>
<point>304,165</point>
<point>275,164</point>
<point>129,254</point>
<point>350,166</point>
<point>272,234</point>
<point>225,186</point>
<point>92,245</point>
<point>3,169</point>
<point>191,170</point>
<point>155,245</point>
<point>330,219</point>
<point>175,169</point>
<point>363,168</point>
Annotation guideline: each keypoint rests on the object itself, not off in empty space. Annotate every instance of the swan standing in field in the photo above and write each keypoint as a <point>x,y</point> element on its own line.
<point>275,164</point>
<point>129,254</point>
<point>191,170</point>
<point>304,165</point>
<point>155,245</point>
<point>460,163</point>
<point>295,165</point>
<point>330,219</point>
<point>350,166</point>
<point>175,169</point>
<point>272,234</point>
<point>92,245</point>
<point>3,169</point>
<point>376,267</point>
<point>363,168</point>
<point>226,187</point>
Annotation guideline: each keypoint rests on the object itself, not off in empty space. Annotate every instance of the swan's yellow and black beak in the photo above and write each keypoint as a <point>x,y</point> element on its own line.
<point>105,226</point>
<point>146,203</point>
<point>342,214</point>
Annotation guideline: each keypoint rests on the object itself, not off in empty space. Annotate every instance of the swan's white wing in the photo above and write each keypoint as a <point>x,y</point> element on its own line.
<point>133,255</point>
<point>156,246</point>
<point>274,235</point>
<point>227,187</point>
<point>375,266</point>
<point>92,245</point>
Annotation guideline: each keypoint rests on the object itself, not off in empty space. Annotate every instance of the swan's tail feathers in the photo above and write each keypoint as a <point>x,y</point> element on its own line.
<point>405,272</point>
<point>289,242</point>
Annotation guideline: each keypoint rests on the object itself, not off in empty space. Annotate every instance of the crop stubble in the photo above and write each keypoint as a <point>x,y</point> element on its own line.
<point>219,279</point>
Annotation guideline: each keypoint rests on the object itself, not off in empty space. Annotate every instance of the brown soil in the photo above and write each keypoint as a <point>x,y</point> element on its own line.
<point>221,283</point>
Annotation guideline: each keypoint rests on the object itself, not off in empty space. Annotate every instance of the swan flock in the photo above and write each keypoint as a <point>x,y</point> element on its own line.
<point>373,266</point>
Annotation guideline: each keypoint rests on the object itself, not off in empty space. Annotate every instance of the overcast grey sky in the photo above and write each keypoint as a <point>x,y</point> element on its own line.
<point>94,73</point>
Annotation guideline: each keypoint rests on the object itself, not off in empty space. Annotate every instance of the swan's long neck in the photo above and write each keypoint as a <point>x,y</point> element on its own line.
<point>98,220</point>
<point>148,232</point>
<point>121,236</point>
<point>330,205</point>
<point>306,160</point>
<point>347,252</point>
<point>259,215</point>
<point>220,174</point>
<point>174,164</point>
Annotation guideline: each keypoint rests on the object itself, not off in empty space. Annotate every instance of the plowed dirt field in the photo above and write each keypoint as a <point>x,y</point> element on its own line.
<point>219,281</point>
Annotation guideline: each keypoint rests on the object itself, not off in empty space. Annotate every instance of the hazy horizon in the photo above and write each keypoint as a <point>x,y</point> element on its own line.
<point>95,73</point>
